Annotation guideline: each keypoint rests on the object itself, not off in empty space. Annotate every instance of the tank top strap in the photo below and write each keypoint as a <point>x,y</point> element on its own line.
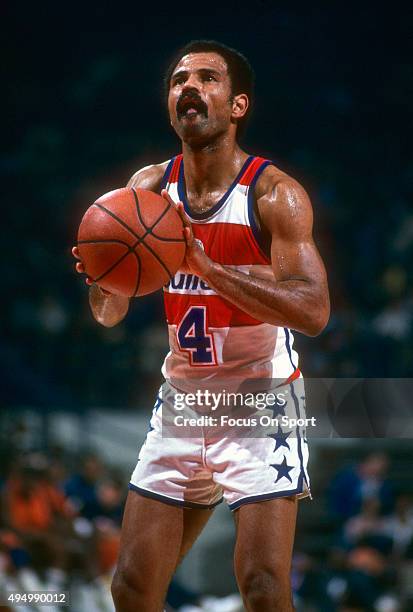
<point>172,171</point>
<point>253,171</point>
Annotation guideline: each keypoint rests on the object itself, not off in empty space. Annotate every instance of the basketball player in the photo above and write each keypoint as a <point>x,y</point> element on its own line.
<point>252,272</point>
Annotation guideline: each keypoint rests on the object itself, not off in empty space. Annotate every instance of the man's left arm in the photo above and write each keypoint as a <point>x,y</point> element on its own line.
<point>297,294</point>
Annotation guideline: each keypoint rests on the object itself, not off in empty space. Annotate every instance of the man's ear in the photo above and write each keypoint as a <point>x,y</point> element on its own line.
<point>240,106</point>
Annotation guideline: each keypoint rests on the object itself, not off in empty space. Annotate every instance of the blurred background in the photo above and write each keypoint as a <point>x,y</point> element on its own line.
<point>83,110</point>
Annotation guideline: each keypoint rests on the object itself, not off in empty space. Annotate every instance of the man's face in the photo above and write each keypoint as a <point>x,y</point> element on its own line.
<point>199,100</point>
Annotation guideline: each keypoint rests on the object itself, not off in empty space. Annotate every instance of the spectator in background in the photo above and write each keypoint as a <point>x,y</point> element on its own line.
<point>39,521</point>
<point>33,505</point>
<point>399,525</point>
<point>81,488</point>
<point>370,580</point>
<point>367,522</point>
<point>310,585</point>
<point>353,486</point>
<point>110,501</point>
<point>57,470</point>
<point>366,528</point>
<point>107,522</point>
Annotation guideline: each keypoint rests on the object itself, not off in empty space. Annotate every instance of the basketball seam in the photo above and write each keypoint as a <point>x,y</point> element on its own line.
<point>149,229</point>
<point>105,241</point>
<point>139,272</point>
<point>158,258</point>
<point>125,225</point>
<point>131,250</point>
<point>139,240</point>
<point>161,238</point>
<point>117,262</point>
<point>112,266</point>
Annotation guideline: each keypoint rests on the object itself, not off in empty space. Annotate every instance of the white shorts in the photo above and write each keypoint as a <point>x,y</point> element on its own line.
<point>199,472</point>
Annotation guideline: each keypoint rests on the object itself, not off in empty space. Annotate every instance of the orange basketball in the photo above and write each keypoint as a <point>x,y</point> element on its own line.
<point>131,242</point>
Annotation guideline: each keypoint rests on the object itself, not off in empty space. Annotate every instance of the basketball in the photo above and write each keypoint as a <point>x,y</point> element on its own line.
<point>131,242</point>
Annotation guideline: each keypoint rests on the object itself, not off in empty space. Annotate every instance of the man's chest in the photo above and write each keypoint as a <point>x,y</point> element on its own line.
<point>202,204</point>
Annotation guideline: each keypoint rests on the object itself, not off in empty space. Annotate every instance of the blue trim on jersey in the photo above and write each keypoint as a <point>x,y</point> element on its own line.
<point>220,203</point>
<point>253,223</point>
<point>166,174</point>
<point>158,403</point>
<point>267,496</point>
<point>287,344</point>
<point>300,452</point>
<point>170,500</point>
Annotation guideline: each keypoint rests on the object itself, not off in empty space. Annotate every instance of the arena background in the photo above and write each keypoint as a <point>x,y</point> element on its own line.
<point>83,109</point>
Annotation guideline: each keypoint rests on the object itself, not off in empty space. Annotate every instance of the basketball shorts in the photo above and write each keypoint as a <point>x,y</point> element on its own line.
<point>239,464</point>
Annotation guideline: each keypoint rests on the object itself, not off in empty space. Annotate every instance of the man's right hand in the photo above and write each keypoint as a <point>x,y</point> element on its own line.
<point>79,265</point>
<point>80,268</point>
<point>107,308</point>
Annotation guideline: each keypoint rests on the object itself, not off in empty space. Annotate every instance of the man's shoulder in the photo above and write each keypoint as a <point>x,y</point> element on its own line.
<point>149,177</point>
<point>281,200</point>
<point>274,179</point>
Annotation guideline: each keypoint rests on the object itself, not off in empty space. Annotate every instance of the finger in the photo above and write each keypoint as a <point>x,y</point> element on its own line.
<point>187,234</point>
<point>167,197</point>
<point>75,252</point>
<point>177,205</point>
<point>80,267</point>
<point>181,210</point>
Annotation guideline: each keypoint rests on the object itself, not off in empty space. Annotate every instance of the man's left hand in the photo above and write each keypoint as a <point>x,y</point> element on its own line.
<point>196,261</point>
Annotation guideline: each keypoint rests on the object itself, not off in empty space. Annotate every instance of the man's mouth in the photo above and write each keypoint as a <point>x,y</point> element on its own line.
<point>190,106</point>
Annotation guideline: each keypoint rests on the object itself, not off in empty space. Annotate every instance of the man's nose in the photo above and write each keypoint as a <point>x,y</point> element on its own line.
<point>192,82</point>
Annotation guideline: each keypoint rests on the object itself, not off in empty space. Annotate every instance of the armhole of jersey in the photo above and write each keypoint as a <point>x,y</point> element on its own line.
<point>166,175</point>
<point>257,233</point>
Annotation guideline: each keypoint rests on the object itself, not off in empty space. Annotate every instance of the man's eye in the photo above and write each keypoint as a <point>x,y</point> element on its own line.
<point>209,77</point>
<point>178,81</point>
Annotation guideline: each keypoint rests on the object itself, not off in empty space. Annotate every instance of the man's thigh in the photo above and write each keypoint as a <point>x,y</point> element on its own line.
<point>155,536</point>
<point>265,536</point>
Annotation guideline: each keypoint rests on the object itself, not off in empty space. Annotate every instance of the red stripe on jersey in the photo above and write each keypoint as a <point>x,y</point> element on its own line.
<point>220,312</point>
<point>173,177</point>
<point>250,172</point>
<point>296,374</point>
<point>229,244</point>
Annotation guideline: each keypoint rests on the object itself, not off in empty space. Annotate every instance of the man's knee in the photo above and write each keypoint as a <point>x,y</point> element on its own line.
<point>130,586</point>
<point>266,588</point>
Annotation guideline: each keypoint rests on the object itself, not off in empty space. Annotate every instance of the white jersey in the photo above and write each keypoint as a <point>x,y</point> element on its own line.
<point>209,336</point>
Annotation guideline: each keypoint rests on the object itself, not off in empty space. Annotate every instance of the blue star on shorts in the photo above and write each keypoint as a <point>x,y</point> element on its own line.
<point>280,438</point>
<point>277,409</point>
<point>283,470</point>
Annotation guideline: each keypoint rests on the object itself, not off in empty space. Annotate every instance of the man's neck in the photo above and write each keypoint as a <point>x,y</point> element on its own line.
<point>211,169</point>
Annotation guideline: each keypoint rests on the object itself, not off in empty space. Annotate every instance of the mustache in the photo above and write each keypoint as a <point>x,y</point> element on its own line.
<point>191,99</point>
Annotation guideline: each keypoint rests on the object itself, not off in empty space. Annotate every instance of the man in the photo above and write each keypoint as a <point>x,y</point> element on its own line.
<point>251,272</point>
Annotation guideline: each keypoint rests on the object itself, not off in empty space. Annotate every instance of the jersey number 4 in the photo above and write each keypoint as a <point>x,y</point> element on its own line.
<point>193,337</point>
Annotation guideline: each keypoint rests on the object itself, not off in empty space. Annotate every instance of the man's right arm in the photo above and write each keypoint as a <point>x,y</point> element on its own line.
<point>109,309</point>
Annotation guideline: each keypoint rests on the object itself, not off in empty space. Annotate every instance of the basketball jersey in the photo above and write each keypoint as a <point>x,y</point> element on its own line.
<point>210,337</point>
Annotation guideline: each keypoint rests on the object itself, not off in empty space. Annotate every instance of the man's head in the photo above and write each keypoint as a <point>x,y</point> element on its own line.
<point>209,88</point>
